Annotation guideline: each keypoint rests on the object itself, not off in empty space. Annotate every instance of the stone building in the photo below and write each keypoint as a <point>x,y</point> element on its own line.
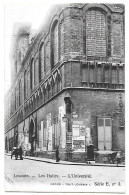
<point>68,83</point>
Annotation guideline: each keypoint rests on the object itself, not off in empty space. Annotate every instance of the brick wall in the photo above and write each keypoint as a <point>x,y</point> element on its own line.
<point>117,36</point>
<point>92,104</point>
<point>104,76</point>
<point>73,41</point>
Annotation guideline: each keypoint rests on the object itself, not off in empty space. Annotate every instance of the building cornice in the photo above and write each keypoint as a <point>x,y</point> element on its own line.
<point>63,90</point>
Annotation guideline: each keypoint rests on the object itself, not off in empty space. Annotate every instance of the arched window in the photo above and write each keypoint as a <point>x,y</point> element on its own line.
<point>28,81</point>
<point>20,92</point>
<point>25,84</point>
<point>32,73</point>
<point>41,62</point>
<point>95,33</point>
<point>55,44</point>
<point>15,99</point>
<point>36,72</point>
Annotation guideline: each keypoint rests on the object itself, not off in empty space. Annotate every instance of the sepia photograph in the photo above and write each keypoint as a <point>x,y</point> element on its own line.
<point>64,97</point>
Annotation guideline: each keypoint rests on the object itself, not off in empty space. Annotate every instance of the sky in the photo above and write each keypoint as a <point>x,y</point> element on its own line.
<point>30,12</point>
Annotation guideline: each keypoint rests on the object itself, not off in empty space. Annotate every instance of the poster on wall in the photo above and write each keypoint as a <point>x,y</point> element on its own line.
<point>78,144</point>
<point>88,136</point>
<point>62,126</point>
<point>49,132</point>
<point>76,130</point>
<point>50,139</point>
<point>82,130</point>
<point>41,135</point>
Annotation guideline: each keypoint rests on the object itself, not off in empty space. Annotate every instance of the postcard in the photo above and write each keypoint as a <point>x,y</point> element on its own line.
<point>64,97</point>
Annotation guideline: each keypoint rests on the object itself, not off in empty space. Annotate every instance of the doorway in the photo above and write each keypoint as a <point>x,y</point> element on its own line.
<point>31,135</point>
<point>104,133</point>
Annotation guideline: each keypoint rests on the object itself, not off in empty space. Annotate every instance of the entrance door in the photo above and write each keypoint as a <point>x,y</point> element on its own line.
<point>104,134</point>
<point>31,133</point>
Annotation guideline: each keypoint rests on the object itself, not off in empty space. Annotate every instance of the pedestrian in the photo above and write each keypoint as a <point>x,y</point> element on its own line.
<point>24,151</point>
<point>13,151</point>
<point>57,155</point>
<point>118,158</point>
<point>20,153</point>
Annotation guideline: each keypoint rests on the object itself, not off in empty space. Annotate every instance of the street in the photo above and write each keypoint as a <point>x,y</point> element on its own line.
<point>39,176</point>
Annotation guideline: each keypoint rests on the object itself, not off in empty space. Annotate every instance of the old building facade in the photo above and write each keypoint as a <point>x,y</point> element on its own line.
<point>68,84</point>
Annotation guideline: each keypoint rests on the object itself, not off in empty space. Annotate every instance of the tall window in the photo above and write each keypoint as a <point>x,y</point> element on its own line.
<point>28,82</point>
<point>20,92</point>
<point>36,72</point>
<point>55,44</point>
<point>41,62</point>
<point>32,73</point>
<point>13,102</point>
<point>15,99</point>
<point>25,84</point>
<point>47,57</point>
<point>62,33</point>
<point>95,33</point>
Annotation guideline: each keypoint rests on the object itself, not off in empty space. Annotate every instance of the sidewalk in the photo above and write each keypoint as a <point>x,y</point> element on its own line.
<point>52,161</point>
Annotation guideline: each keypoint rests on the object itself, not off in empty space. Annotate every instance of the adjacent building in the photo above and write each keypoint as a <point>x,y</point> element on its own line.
<point>68,86</point>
